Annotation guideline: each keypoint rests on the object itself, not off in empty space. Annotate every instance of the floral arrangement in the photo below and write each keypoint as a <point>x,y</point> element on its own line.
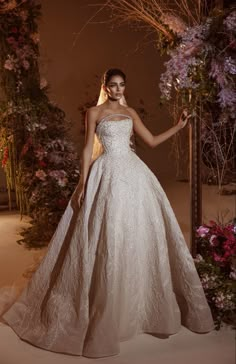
<point>216,265</point>
<point>40,162</point>
<point>200,40</point>
<point>204,62</point>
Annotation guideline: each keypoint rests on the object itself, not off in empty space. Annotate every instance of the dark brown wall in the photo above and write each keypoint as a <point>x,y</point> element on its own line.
<point>71,69</point>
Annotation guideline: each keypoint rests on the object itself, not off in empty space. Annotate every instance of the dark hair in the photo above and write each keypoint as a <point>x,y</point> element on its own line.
<point>112,72</point>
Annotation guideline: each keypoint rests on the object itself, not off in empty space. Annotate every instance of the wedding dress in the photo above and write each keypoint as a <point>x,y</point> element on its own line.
<point>117,267</point>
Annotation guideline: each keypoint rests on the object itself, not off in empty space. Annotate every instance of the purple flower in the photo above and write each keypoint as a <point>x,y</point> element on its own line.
<point>227,97</point>
<point>230,65</point>
<point>197,32</point>
<point>217,72</point>
<point>178,73</point>
<point>230,21</point>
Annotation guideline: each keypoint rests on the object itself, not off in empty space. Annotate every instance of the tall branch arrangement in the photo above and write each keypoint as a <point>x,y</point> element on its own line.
<point>39,160</point>
<point>200,40</point>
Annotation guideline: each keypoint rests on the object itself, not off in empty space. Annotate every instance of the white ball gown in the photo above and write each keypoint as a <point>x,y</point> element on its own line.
<point>117,267</point>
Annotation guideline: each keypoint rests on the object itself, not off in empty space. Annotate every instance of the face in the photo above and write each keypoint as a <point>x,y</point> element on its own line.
<point>115,87</point>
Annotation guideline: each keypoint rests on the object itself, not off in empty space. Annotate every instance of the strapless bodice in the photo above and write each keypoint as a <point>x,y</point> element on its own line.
<point>114,135</point>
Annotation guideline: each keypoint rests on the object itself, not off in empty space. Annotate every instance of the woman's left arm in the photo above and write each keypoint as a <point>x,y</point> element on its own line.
<point>154,140</point>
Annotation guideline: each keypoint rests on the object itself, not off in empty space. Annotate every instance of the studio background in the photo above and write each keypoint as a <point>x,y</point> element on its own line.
<point>75,54</point>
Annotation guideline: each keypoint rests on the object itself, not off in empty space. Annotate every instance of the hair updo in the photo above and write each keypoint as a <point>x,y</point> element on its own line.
<point>112,72</point>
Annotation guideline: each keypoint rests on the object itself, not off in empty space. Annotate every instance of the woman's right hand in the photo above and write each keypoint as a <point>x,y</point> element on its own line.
<point>78,197</point>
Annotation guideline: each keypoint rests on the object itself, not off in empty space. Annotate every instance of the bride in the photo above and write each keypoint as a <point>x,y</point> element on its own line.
<point>117,264</point>
<point>112,102</point>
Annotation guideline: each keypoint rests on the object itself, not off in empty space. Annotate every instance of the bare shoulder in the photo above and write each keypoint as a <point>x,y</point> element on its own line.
<point>93,110</point>
<point>92,113</point>
<point>132,112</point>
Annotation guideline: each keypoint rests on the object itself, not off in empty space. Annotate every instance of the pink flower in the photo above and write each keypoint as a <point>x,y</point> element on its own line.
<point>202,231</point>
<point>40,174</point>
<point>9,65</point>
<point>217,257</point>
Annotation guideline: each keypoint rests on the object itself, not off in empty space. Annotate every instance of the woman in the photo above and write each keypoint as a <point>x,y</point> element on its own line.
<point>118,264</point>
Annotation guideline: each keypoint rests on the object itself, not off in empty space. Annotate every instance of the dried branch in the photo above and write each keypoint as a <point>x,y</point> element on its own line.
<point>158,13</point>
<point>143,11</point>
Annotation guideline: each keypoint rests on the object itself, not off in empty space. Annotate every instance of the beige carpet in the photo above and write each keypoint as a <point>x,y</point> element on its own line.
<point>182,348</point>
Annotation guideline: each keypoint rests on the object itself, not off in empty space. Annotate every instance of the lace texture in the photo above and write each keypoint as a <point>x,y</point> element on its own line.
<point>117,267</point>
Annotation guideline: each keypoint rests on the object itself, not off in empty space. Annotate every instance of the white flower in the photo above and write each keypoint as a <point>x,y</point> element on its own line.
<point>198,258</point>
<point>62,182</point>
<point>212,238</point>
<point>232,274</point>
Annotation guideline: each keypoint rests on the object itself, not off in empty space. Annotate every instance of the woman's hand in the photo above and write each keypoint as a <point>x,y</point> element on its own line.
<point>183,119</point>
<point>78,197</point>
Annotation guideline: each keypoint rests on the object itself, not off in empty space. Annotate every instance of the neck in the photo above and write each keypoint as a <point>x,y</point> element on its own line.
<point>113,103</point>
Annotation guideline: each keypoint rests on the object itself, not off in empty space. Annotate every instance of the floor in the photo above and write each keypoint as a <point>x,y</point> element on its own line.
<point>182,348</point>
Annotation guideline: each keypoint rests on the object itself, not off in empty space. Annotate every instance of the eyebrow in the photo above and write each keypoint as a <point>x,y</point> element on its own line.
<point>111,82</point>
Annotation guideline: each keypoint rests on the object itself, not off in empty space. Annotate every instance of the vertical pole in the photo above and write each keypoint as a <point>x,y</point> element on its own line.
<point>195,180</point>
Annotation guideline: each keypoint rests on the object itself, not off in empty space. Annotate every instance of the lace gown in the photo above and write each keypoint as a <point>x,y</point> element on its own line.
<point>117,267</point>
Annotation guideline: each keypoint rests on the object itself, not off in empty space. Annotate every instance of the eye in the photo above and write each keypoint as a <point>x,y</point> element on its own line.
<point>114,84</point>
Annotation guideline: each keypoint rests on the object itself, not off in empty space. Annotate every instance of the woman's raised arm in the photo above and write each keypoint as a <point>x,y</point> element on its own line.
<point>154,140</point>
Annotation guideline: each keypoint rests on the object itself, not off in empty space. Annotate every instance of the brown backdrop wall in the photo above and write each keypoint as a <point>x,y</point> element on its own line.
<point>71,62</point>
